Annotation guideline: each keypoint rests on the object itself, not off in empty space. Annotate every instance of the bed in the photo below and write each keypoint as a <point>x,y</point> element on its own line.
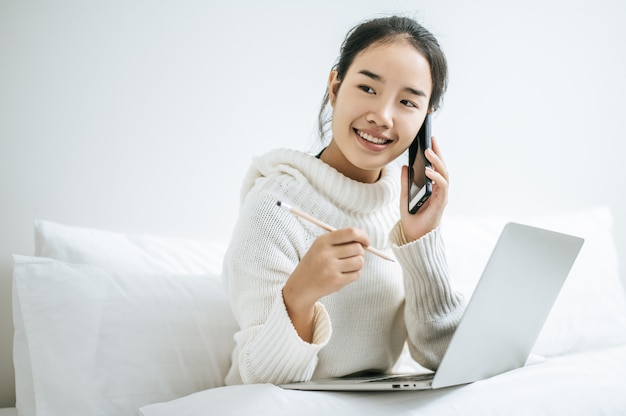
<point>108,323</point>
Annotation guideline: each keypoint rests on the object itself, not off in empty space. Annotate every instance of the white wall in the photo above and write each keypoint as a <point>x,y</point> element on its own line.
<point>142,116</point>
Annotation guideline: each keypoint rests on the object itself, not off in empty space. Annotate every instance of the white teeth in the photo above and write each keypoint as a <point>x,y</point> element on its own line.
<point>371,139</point>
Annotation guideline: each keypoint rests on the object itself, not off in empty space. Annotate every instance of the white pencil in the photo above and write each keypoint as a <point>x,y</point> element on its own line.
<point>327,227</point>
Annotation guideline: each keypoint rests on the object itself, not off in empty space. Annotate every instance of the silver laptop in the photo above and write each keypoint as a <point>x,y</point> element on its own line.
<point>502,320</point>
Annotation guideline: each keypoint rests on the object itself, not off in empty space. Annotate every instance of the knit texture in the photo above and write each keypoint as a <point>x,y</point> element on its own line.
<point>363,326</point>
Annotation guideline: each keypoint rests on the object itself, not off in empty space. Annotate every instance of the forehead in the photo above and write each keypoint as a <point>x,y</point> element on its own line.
<point>395,61</point>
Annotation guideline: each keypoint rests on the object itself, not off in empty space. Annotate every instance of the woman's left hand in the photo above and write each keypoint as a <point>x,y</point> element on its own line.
<point>428,217</point>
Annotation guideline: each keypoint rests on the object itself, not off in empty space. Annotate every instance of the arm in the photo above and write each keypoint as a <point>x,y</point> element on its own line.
<point>432,308</point>
<point>265,248</point>
<point>334,260</point>
<point>275,282</point>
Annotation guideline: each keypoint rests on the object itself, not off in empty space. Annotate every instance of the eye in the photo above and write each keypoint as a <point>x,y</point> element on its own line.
<point>367,89</point>
<point>408,103</point>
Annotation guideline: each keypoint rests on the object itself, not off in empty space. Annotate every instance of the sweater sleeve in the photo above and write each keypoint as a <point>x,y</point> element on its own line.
<point>262,255</point>
<point>433,308</point>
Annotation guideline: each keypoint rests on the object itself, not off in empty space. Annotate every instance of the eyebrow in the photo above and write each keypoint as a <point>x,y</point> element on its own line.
<point>377,77</point>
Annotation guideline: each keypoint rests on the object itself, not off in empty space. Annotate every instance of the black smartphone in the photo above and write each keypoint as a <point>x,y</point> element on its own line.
<point>420,186</point>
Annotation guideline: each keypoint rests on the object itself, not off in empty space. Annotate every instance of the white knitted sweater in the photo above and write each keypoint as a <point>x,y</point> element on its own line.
<point>363,326</point>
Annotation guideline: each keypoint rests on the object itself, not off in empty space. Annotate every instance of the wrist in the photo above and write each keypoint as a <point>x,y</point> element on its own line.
<point>411,235</point>
<point>301,311</point>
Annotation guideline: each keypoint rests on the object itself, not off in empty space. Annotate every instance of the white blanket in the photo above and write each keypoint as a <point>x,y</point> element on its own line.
<point>160,319</point>
<point>590,383</point>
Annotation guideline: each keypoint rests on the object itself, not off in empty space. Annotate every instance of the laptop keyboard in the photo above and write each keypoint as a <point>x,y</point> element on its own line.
<point>405,378</point>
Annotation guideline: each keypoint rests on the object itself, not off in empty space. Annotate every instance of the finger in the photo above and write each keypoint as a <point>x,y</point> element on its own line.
<point>350,235</point>
<point>436,177</point>
<point>437,163</point>
<point>349,277</point>
<point>351,265</point>
<point>440,184</point>
<point>349,250</point>
<point>435,147</point>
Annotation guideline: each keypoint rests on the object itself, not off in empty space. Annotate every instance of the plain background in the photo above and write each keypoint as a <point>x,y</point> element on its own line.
<point>142,116</point>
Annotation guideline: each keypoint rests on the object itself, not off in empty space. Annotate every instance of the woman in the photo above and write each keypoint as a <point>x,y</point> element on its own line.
<point>316,304</point>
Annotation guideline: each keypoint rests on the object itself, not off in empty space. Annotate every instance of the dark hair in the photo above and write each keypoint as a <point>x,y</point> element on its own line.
<point>387,29</point>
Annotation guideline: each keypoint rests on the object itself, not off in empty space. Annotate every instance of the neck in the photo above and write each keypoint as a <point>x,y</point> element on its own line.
<point>333,156</point>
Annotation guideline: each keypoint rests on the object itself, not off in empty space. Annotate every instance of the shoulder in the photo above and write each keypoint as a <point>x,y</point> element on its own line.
<point>277,168</point>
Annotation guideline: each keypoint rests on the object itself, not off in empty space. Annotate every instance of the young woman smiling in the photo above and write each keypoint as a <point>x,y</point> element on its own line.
<point>315,304</point>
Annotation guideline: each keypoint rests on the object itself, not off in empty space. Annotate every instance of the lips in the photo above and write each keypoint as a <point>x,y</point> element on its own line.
<point>377,140</point>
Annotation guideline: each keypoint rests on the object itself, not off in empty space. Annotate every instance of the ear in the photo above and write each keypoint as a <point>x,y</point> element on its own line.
<point>333,87</point>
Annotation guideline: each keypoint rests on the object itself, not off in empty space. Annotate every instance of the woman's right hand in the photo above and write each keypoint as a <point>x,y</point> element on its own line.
<point>334,260</point>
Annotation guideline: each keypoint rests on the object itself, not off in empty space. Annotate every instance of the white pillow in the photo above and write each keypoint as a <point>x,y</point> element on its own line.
<point>127,252</point>
<point>123,253</point>
<point>106,343</point>
<point>590,311</point>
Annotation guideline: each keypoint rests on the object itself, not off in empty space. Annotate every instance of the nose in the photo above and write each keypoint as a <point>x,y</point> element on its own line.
<point>381,114</point>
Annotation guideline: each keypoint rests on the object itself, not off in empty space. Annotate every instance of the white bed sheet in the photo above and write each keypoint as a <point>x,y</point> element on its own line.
<point>8,411</point>
<point>589,383</point>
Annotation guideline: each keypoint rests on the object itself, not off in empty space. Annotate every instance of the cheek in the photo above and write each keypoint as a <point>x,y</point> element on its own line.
<point>411,126</point>
<point>343,113</point>
<point>351,102</point>
<point>407,135</point>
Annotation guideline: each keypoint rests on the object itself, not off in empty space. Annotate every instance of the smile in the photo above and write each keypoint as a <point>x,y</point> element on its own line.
<point>372,139</point>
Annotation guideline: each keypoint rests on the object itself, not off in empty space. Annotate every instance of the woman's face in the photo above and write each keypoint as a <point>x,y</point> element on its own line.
<point>378,108</point>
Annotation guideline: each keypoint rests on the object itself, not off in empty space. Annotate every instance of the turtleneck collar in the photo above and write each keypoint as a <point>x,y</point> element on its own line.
<point>347,194</point>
